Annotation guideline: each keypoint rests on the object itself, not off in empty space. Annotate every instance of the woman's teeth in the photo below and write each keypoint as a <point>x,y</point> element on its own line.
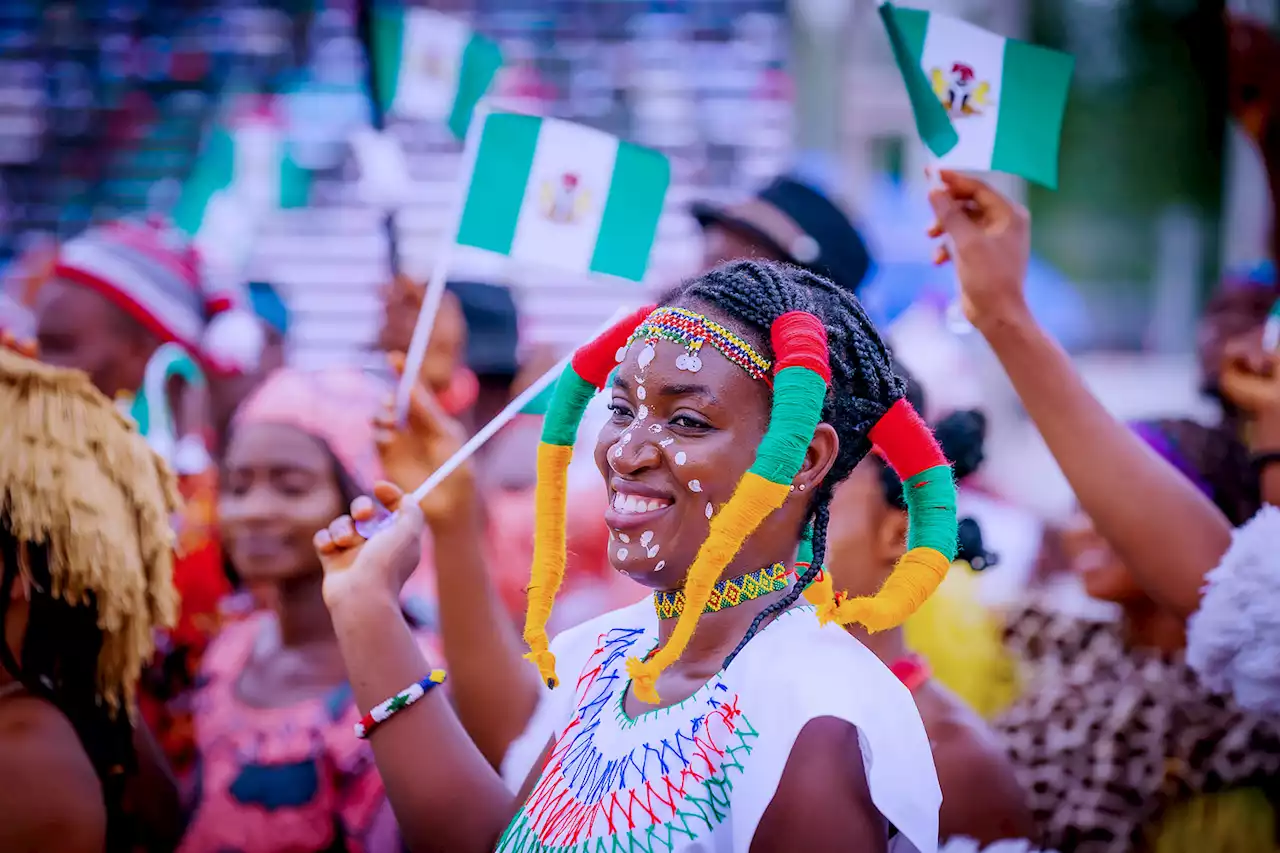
<point>637,504</point>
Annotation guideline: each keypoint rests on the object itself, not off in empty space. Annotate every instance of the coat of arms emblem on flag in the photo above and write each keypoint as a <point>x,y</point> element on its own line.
<point>565,200</point>
<point>960,90</point>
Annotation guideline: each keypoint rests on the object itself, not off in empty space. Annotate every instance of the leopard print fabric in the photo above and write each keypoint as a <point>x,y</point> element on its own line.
<point>1105,738</point>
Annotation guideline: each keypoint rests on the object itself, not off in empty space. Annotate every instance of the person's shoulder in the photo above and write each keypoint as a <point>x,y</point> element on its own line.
<point>52,788</point>
<point>635,618</point>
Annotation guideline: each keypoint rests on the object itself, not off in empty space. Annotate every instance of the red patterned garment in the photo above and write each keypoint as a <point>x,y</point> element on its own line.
<point>291,778</point>
<point>202,583</point>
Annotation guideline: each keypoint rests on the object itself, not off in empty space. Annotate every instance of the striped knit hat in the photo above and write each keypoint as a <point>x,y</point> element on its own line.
<point>153,272</point>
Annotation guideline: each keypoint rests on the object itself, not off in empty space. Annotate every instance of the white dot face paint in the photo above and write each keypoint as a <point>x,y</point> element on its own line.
<point>681,458</point>
<point>622,553</point>
<point>621,354</point>
<point>626,438</point>
<point>695,486</point>
<point>666,442</point>
<point>646,356</point>
<point>622,537</point>
<point>640,392</point>
<point>662,564</point>
<point>653,552</point>
<point>617,452</point>
<point>710,510</point>
<point>646,538</point>
<point>655,428</point>
<point>644,412</point>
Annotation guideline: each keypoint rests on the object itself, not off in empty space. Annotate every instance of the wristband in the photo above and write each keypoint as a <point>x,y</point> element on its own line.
<point>397,703</point>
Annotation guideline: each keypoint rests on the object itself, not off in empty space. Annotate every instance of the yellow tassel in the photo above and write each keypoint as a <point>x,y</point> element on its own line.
<point>547,571</point>
<point>751,503</point>
<point>822,595</point>
<point>915,577</point>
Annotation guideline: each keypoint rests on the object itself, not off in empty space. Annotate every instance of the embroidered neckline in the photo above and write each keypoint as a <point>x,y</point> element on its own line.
<point>727,593</point>
<point>626,721</point>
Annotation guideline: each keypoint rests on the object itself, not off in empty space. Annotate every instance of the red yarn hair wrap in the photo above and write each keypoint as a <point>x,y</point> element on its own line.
<point>800,340</point>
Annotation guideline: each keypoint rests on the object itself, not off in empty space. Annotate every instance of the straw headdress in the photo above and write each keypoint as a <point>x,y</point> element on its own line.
<point>76,476</point>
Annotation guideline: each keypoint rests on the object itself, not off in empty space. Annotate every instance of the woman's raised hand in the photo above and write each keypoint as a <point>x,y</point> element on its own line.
<point>354,565</point>
<point>1251,380</point>
<point>990,246</point>
<point>412,453</point>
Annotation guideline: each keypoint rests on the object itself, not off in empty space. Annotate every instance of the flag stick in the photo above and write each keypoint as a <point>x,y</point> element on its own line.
<point>382,517</point>
<point>435,288</point>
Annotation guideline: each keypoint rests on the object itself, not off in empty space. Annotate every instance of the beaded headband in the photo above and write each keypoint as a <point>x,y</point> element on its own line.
<point>801,376</point>
<point>691,330</point>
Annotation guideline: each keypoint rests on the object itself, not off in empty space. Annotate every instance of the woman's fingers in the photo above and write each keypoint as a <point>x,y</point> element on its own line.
<point>362,508</point>
<point>323,542</point>
<point>342,530</point>
<point>388,494</point>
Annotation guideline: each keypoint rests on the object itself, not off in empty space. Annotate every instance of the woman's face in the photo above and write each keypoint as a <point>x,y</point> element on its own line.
<point>1233,313</point>
<point>866,535</point>
<point>1090,558</point>
<point>278,488</point>
<point>672,454</point>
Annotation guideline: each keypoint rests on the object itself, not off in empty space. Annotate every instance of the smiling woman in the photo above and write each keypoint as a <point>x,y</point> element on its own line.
<point>736,408</point>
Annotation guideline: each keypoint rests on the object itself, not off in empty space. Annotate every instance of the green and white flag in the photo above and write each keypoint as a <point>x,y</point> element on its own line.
<point>243,172</point>
<point>431,67</point>
<point>1005,98</point>
<point>556,194</point>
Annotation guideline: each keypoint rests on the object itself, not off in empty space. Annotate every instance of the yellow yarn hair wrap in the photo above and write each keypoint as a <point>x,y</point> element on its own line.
<point>751,503</point>
<point>548,554</point>
<point>915,577</point>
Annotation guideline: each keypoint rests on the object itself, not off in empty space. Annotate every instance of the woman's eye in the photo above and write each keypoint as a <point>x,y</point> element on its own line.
<point>294,484</point>
<point>621,411</point>
<point>689,422</point>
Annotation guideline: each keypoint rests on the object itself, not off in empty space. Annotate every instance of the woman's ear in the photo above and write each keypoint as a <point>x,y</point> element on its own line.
<point>891,535</point>
<point>818,459</point>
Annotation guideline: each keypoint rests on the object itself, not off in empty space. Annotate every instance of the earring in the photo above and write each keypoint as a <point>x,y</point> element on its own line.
<point>793,487</point>
<point>802,487</point>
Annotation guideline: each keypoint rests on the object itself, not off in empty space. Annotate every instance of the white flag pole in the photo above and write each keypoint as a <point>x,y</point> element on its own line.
<point>435,288</point>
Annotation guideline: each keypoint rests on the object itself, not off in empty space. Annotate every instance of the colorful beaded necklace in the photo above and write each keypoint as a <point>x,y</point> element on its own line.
<point>691,330</point>
<point>726,593</point>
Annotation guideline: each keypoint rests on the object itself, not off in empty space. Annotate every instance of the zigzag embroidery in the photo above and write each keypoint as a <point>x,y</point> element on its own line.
<point>653,797</point>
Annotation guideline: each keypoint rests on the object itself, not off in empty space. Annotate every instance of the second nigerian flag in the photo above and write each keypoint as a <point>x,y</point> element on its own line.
<point>557,194</point>
<point>430,66</point>
<point>1005,98</point>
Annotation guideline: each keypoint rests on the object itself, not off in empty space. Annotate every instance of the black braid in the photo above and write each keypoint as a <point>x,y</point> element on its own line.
<point>863,382</point>
<point>59,664</point>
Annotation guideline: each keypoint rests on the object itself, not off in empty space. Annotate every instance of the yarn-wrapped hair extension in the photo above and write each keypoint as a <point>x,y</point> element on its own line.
<point>802,373</point>
<point>908,446</point>
<point>585,374</point>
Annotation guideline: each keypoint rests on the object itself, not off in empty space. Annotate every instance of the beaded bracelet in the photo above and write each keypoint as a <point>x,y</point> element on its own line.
<point>384,711</point>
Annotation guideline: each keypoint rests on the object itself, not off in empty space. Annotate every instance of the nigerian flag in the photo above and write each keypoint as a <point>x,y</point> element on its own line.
<point>430,66</point>
<point>244,170</point>
<point>556,194</point>
<point>1004,99</point>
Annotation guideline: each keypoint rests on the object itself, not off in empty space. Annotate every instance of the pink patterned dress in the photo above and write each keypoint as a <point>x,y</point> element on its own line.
<point>291,779</point>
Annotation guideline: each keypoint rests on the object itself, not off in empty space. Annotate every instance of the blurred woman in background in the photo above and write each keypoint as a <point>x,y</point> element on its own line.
<point>278,767</point>
<point>981,798</point>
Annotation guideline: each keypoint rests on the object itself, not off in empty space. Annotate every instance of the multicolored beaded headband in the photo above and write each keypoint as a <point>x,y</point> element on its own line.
<point>801,376</point>
<point>691,330</point>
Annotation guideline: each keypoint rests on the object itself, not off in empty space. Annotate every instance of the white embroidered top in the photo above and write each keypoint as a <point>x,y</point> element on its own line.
<point>697,777</point>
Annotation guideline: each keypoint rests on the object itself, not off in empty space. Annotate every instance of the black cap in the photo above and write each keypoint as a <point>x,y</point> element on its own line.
<point>799,224</point>
<point>492,327</point>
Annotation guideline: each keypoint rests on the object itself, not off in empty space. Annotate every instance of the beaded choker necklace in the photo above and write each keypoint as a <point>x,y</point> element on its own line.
<point>726,593</point>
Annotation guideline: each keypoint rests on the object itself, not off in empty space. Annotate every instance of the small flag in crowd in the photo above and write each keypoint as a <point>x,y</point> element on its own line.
<point>557,194</point>
<point>432,67</point>
<point>1005,99</point>
<point>243,170</point>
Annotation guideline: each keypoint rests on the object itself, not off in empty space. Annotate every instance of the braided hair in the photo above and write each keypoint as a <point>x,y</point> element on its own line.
<point>60,664</point>
<point>863,382</point>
